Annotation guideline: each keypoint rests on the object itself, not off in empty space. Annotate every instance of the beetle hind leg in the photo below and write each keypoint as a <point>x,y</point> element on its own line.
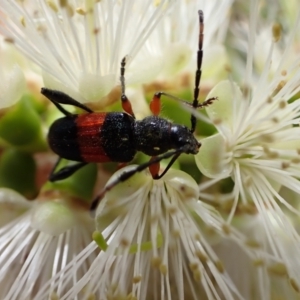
<point>64,172</point>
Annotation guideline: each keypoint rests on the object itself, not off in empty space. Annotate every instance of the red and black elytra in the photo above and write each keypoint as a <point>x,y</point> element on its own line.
<point>93,137</point>
<point>100,137</point>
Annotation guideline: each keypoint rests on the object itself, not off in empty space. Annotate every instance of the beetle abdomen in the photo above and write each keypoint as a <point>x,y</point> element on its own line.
<point>62,138</point>
<point>93,137</point>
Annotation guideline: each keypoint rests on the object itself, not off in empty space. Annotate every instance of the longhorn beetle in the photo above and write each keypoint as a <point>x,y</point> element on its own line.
<point>117,136</point>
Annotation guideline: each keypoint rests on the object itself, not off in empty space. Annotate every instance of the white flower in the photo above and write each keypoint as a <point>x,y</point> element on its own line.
<point>257,146</point>
<point>176,40</point>
<point>289,10</point>
<point>79,44</point>
<point>156,239</point>
<point>262,29</point>
<point>37,240</point>
<point>12,79</point>
<point>12,205</point>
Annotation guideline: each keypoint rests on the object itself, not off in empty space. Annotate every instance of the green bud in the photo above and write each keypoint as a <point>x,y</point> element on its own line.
<point>21,127</point>
<point>17,172</point>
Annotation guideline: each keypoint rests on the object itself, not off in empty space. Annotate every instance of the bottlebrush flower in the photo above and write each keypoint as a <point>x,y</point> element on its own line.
<point>256,148</point>
<point>37,240</point>
<point>12,83</point>
<point>156,241</point>
<point>79,45</point>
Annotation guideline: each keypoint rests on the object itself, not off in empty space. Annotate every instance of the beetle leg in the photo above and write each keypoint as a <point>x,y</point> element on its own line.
<point>155,104</point>
<point>127,174</point>
<point>57,98</point>
<point>176,155</point>
<point>154,167</point>
<point>64,172</point>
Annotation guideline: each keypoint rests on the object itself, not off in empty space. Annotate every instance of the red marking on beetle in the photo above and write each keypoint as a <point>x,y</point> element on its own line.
<point>154,168</point>
<point>155,105</point>
<point>126,105</point>
<point>89,137</point>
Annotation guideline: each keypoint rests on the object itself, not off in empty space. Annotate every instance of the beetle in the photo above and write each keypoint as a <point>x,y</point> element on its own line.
<point>98,137</point>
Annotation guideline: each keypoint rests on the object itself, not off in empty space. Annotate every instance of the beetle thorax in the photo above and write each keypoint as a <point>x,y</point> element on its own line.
<point>183,138</point>
<point>155,135</point>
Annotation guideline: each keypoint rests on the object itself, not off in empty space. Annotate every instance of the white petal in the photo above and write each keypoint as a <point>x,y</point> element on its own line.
<point>210,159</point>
<point>94,86</point>
<point>222,112</point>
<point>54,84</point>
<point>12,86</point>
<point>83,36</point>
<point>12,205</point>
<point>183,183</point>
<point>53,218</point>
<point>176,56</point>
<point>287,145</point>
<point>213,69</point>
<point>141,72</point>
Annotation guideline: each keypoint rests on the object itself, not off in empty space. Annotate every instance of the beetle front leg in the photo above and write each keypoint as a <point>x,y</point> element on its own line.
<point>58,97</point>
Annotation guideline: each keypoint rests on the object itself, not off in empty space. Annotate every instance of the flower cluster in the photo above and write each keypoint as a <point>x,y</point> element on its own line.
<point>223,223</point>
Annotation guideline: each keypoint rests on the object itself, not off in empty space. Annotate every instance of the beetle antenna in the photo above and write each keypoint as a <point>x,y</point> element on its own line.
<point>122,75</point>
<point>126,105</point>
<point>198,70</point>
